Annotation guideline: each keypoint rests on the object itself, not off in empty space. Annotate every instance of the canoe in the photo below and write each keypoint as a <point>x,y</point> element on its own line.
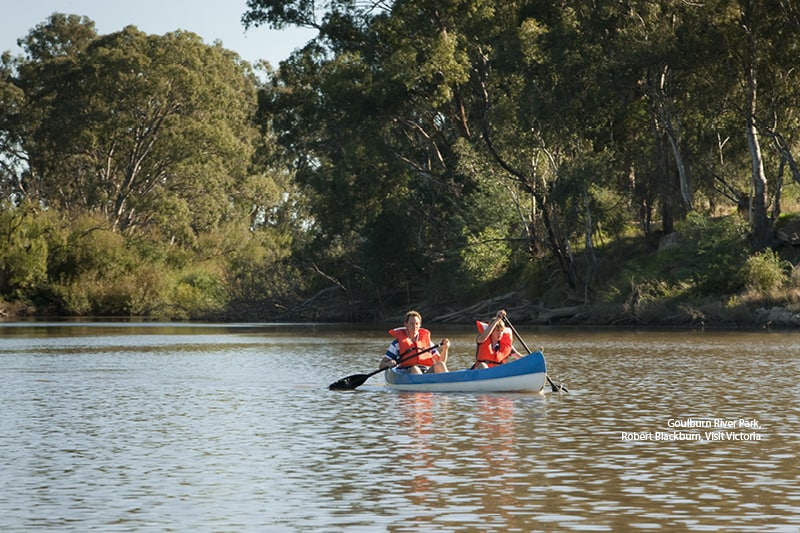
<point>526,374</point>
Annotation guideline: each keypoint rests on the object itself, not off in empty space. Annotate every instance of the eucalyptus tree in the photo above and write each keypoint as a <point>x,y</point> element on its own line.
<point>716,80</point>
<point>737,60</point>
<point>369,112</point>
<point>397,112</point>
<point>12,158</point>
<point>150,131</point>
<point>763,43</point>
<point>62,38</point>
<point>415,124</point>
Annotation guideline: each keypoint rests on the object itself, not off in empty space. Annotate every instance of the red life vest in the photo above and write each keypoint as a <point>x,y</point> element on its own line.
<point>490,354</point>
<point>408,347</point>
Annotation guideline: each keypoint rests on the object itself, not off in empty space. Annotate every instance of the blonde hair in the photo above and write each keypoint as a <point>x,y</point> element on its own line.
<point>410,314</point>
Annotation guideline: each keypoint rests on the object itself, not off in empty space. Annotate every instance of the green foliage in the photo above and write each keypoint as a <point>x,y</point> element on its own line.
<point>552,125</point>
<point>711,254</point>
<point>608,205</point>
<point>144,129</point>
<point>24,248</point>
<point>85,269</point>
<point>703,259</point>
<point>258,269</point>
<point>429,148</point>
<point>139,154</point>
<point>766,271</point>
<point>121,282</point>
<point>139,293</point>
<point>75,297</point>
<point>198,293</point>
<point>485,257</point>
<point>91,247</point>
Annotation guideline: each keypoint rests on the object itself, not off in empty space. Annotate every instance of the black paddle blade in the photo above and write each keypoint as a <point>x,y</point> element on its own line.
<point>350,382</point>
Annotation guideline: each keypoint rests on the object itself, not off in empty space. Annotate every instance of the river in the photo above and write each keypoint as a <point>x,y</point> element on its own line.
<point>230,427</point>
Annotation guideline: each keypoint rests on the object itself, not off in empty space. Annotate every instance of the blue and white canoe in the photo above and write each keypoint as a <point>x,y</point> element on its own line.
<point>526,374</point>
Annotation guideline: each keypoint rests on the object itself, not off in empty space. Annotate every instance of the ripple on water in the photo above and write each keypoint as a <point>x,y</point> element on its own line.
<point>237,431</point>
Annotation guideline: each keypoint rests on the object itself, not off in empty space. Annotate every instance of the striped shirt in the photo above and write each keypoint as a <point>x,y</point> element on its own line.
<point>393,352</point>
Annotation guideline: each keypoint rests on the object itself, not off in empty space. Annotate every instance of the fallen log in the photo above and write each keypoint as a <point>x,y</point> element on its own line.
<point>548,316</point>
<point>478,310</point>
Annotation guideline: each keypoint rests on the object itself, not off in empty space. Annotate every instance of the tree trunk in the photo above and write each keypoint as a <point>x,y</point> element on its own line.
<point>665,117</point>
<point>591,257</point>
<point>683,176</point>
<point>558,243</point>
<point>759,220</point>
<point>665,188</point>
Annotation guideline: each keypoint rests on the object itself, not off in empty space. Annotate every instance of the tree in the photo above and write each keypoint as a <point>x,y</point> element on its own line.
<point>147,130</point>
<point>580,106</point>
<point>764,29</point>
<point>145,149</point>
<point>365,142</point>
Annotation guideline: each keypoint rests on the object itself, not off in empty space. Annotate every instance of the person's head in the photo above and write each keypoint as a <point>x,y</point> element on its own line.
<point>412,321</point>
<point>498,330</point>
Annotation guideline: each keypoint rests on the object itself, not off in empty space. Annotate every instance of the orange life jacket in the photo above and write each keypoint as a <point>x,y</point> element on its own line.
<point>408,347</point>
<point>490,354</point>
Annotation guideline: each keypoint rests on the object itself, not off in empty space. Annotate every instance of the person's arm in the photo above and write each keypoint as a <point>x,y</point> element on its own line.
<point>487,331</point>
<point>444,344</point>
<point>391,356</point>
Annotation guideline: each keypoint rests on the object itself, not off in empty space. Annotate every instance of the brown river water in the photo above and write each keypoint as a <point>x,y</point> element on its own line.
<point>212,427</point>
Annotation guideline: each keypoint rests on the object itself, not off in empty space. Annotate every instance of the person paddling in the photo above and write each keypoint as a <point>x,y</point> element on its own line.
<point>495,343</point>
<point>411,340</point>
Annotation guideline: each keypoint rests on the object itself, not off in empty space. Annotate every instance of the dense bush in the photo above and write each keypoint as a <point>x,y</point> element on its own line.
<point>766,271</point>
<point>79,267</point>
<point>712,253</point>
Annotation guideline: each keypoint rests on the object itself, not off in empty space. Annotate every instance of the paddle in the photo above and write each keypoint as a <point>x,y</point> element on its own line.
<point>556,388</point>
<point>356,380</point>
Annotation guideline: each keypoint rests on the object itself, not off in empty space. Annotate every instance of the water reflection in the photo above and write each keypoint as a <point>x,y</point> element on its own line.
<point>234,429</point>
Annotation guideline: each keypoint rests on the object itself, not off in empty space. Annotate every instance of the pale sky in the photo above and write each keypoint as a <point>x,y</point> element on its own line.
<point>210,19</point>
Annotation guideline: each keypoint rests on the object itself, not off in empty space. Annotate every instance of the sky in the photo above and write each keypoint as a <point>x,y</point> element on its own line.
<point>211,19</point>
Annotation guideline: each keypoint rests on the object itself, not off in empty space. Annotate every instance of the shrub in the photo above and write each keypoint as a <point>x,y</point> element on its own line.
<point>24,249</point>
<point>712,253</point>
<point>766,271</point>
<point>197,293</point>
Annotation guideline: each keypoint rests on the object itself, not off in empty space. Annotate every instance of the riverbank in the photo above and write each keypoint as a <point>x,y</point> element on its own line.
<point>713,314</point>
<point>738,313</point>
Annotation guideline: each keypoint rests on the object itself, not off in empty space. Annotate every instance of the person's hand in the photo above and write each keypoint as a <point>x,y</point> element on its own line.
<point>392,363</point>
<point>501,314</point>
<point>444,343</point>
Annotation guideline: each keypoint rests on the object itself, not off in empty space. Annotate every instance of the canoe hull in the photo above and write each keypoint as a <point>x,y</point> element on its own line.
<point>527,374</point>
